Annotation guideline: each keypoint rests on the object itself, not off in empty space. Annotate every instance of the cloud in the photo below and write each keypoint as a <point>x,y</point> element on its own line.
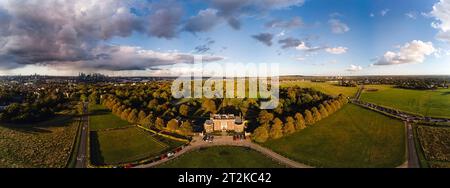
<point>411,15</point>
<point>442,16</point>
<point>412,52</point>
<point>304,47</point>
<point>233,10</point>
<point>372,15</point>
<point>354,68</point>
<point>289,42</point>
<point>290,24</point>
<point>384,12</point>
<point>76,33</point>
<point>337,50</point>
<point>205,20</point>
<point>338,27</point>
<point>265,38</point>
<point>204,47</point>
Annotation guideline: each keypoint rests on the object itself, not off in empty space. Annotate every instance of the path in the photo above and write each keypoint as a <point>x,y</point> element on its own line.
<point>413,160</point>
<point>82,149</point>
<point>198,143</point>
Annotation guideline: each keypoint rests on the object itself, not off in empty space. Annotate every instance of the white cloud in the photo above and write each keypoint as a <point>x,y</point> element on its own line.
<point>384,12</point>
<point>411,15</point>
<point>337,50</point>
<point>338,27</point>
<point>442,15</point>
<point>304,47</point>
<point>372,15</point>
<point>412,52</point>
<point>354,68</point>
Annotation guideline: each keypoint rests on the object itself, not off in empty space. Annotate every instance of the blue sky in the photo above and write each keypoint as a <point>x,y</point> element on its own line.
<point>330,37</point>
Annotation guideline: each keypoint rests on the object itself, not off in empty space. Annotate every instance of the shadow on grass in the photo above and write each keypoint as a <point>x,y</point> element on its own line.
<point>446,93</point>
<point>96,155</point>
<point>41,127</point>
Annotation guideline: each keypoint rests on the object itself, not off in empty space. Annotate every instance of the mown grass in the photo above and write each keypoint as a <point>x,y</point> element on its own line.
<point>351,137</point>
<point>43,145</point>
<point>222,157</point>
<point>435,143</point>
<point>435,103</point>
<point>101,118</point>
<point>123,145</point>
<point>325,87</point>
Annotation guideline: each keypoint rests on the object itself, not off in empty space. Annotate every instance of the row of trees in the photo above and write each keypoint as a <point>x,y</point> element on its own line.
<point>136,116</point>
<point>272,127</point>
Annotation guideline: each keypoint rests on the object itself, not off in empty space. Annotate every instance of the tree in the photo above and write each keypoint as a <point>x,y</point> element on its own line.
<point>309,119</point>
<point>147,121</point>
<point>265,117</point>
<point>209,106</point>
<point>152,104</point>
<point>299,121</point>
<point>141,115</point>
<point>93,99</point>
<point>316,114</point>
<point>159,123</point>
<point>186,128</point>
<point>172,125</point>
<point>276,131</point>
<point>323,111</point>
<point>261,134</point>
<point>124,115</point>
<point>328,107</point>
<point>133,116</point>
<point>184,110</point>
<point>289,127</point>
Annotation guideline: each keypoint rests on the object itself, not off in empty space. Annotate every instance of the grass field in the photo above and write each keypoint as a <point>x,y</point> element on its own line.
<point>352,137</point>
<point>434,103</point>
<point>123,145</point>
<point>222,157</point>
<point>43,145</point>
<point>435,143</point>
<point>102,118</point>
<point>325,87</point>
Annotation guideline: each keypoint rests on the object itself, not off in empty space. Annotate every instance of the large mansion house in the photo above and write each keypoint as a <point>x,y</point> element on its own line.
<point>224,122</point>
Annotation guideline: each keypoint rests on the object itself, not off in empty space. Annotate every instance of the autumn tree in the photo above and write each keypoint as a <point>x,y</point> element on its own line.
<point>209,106</point>
<point>186,128</point>
<point>125,113</point>
<point>309,119</point>
<point>159,123</point>
<point>141,115</point>
<point>133,116</point>
<point>316,114</point>
<point>299,121</point>
<point>265,117</point>
<point>172,125</point>
<point>147,121</point>
<point>260,134</point>
<point>323,111</point>
<point>289,127</point>
<point>276,131</point>
<point>184,110</point>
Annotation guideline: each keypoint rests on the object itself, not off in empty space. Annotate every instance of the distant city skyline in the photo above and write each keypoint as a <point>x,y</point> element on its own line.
<point>145,38</point>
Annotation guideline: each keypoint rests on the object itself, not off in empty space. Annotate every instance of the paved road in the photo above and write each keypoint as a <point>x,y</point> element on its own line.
<point>82,149</point>
<point>198,143</point>
<point>413,160</point>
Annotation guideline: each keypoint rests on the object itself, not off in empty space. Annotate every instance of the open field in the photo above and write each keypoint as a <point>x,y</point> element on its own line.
<point>101,118</point>
<point>325,87</point>
<point>222,157</point>
<point>434,103</point>
<point>43,145</point>
<point>126,145</point>
<point>352,137</point>
<point>435,144</point>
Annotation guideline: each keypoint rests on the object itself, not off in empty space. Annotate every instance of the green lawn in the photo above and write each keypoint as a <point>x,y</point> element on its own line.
<point>325,87</point>
<point>102,118</point>
<point>123,145</point>
<point>352,137</point>
<point>222,157</point>
<point>42,145</point>
<point>428,103</point>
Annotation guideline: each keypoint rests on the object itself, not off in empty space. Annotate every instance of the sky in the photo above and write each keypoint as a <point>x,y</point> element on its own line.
<point>148,37</point>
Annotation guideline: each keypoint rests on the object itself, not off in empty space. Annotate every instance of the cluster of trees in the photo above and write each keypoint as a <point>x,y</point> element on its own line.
<point>31,109</point>
<point>272,127</point>
<point>144,118</point>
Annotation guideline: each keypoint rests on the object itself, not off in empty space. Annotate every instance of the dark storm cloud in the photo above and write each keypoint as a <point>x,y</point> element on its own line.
<point>289,42</point>
<point>265,38</point>
<point>204,47</point>
<point>73,33</point>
